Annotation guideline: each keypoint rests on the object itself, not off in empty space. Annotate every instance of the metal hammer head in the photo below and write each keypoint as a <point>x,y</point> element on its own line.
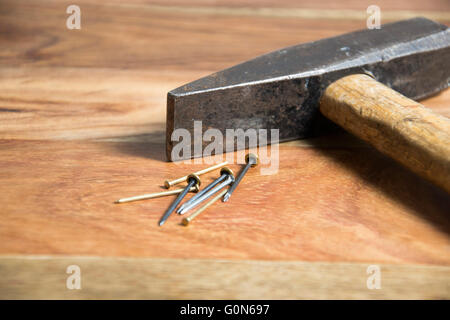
<point>281,90</point>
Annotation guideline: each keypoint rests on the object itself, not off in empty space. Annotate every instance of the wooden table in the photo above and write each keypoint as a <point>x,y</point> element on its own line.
<point>82,123</point>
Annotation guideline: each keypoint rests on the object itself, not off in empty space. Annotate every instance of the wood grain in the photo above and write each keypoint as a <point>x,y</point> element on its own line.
<point>335,200</point>
<point>82,123</point>
<point>395,125</point>
<point>128,278</point>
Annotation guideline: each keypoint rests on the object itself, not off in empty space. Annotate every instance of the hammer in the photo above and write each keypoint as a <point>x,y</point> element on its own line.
<point>363,81</point>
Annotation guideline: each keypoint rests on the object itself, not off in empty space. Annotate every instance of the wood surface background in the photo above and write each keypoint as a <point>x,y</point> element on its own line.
<point>82,120</point>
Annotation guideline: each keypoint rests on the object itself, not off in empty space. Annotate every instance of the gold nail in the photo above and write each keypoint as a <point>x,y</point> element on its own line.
<point>168,183</point>
<point>187,220</point>
<point>156,195</point>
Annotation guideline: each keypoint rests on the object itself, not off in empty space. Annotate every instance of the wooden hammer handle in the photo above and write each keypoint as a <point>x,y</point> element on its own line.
<point>397,126</point>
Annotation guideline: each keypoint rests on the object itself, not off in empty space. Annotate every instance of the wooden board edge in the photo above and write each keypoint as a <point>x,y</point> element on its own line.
<point>56,277</point>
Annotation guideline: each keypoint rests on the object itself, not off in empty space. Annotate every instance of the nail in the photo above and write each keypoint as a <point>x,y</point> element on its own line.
<point>156,195</point>
<point>192,180</point>
<point>224,172</point>
<point>229,180</point>
<point>168,183</point>
<point>252,161</point>
<point>187,220</point>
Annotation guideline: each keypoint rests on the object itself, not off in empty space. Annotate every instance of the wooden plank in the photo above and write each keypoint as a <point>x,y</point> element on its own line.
<point>44,91</point>
<point>334,200</point>
<point>412,5</point>
<point>82,123</point>
<point>141,36</point>
<point>62,104</point>
<point>44,277</point>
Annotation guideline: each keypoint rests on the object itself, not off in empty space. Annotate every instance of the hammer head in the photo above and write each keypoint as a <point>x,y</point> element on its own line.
<point>281,90</point>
